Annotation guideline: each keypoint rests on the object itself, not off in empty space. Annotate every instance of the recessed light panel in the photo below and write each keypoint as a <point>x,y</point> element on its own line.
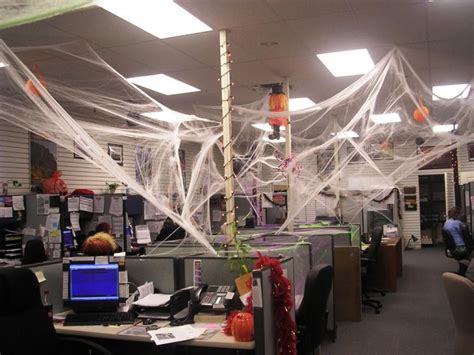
<point>161,18</point>
<point>345,135</point>
<point>347,63</point>
<point>168,116</point>
<point>301,103</point>
<point>163,84</point>
<point>449,92</point>
<point>266,127</point>
<point>3,65</point>
<point>280,140</point>
<point>444,128</point>
<point>386,118</point>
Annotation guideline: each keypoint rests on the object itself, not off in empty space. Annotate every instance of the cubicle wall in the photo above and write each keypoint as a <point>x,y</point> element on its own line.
<point>53,275</point>
<point>159,269</point>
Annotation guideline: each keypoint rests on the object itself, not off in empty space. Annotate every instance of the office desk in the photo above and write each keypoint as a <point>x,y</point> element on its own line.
<point>219,340</point>
<point>389,264</point>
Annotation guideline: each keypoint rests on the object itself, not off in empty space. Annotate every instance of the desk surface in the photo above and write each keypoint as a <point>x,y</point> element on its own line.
<point>218,340</point>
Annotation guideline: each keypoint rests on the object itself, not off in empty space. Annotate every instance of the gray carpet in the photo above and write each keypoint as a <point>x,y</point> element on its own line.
<point>414,320</point>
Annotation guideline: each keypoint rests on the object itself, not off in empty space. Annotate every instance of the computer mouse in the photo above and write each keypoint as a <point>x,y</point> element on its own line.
<point>148,321</point>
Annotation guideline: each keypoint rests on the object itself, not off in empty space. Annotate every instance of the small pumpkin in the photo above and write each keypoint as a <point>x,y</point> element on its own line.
<point>242,327</point>
<point>29,86</point>
<point>421,112</point>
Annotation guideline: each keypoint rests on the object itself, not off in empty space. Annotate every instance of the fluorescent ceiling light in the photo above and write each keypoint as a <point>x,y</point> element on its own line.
<point>301,103</point>
<point>161,18</point>
<point>266,127</point>
<point>345,135</point>
<point>3,65</point>
<point>448,92</point>
<point>385,118</point>
<point>163,83</point>
<point>280,140</point>
<point>444,128</point>
<point>168,116</point>
<point>347,63</point>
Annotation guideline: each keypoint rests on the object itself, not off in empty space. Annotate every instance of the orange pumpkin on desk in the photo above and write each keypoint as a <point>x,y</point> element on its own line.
<point>242,327</point>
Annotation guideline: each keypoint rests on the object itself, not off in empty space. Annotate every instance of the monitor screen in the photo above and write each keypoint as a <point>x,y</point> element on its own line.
<point>68,238</point>
<point>94,282</point>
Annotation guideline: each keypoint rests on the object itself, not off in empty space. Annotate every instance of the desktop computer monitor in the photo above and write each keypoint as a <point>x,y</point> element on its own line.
<point>93,287</point>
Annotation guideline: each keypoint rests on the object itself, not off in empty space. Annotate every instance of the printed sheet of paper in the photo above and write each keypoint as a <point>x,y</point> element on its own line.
<point>42,204</point>
<point>74,218</point>
<point>6,212</point>
<point>143,234</point>
<point>146,289</point>
<point>116,205</point>
<point>155,226</point>
<point>52,222</point>
<point>18,203</point>
<point>86,204</point>
<point>216,215</point>
<point>99,204</point>
<point>73,204</point>
<point>117,225</point>
<point>105,219</point>
<point>149,211</point>
<point>169,335</point>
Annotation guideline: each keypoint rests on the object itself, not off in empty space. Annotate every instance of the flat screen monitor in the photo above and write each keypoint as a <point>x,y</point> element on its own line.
<point>94,287</point>
<point>68,238</point>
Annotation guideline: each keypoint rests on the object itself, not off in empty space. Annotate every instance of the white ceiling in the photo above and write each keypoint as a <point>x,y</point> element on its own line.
<point>272,40</point>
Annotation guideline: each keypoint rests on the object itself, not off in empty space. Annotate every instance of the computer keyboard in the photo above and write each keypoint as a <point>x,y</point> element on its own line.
<point>102,318</point>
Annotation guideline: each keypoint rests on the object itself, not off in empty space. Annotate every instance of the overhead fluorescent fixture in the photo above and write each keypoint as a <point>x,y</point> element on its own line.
<point>301,103</point>
<point>280,140</point>
<point>266,127</point>
<point>168,116</point>
<point>345,135</point>
<point>161,18</point>
<point>347,63</point>
<point>3,65</point>
<point>449,92</point>
<point>163,84</point>
<point>386,118</point>
<point>444,128</point>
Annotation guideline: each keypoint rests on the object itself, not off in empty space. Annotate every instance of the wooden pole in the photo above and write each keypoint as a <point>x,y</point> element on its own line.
<point>227,127</point>
<point>289,180</point>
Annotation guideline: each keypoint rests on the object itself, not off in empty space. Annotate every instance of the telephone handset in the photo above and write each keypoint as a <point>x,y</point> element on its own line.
<point>216,297</point>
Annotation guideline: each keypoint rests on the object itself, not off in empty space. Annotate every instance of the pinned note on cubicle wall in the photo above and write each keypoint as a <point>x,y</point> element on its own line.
<point>257,293</point>
<point>99,204</point>
<point>73,204</point>
<point>18,203</point>
<point>116,205</point>
<point>143,234</point>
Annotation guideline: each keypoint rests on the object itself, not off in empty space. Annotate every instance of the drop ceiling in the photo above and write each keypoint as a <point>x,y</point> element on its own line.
<point>272,40</point>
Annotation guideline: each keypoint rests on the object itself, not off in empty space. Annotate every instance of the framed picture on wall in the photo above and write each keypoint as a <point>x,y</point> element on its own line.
<point>470,151</point>
<point>116,153</point>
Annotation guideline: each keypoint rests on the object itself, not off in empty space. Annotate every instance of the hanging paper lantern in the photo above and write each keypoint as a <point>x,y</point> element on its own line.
<point>278,102</point>
<point>421,112</point>
<point>242,326</point>
<point>30,87</point>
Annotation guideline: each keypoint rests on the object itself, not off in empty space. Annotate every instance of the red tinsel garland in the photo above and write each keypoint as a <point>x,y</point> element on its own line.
<point>281,290</point>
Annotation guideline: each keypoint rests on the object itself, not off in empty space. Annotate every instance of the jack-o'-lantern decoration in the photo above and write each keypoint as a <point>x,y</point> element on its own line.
<point>278,102</point>
<point>242,327</point>
<point>421,112</point>
<point>30,87</point>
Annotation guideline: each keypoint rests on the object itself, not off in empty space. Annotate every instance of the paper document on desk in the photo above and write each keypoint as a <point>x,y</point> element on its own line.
<point>153,300</point>
<point>175,334</point>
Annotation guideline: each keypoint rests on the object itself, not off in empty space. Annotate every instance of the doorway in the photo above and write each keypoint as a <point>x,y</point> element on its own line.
<point>432,208</point>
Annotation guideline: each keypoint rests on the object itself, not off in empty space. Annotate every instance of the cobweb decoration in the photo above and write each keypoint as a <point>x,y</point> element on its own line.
<point>344,157</point>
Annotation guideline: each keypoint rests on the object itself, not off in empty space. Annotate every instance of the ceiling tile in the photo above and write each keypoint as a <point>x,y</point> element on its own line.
<point>253,73</point>
<point>392,25</point>
<point>451,53</point>
<point>453,20</point>
<point>452,75</point>
<point>125,66</point>
<point>34,34</point>
<point>101,27</point>
<point>229,13</point>
<point>159,56</point>
<point>300,9</point>
<point>205,79</point>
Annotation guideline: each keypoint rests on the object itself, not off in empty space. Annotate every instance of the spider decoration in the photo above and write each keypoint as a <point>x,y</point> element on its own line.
<point>284,162</point>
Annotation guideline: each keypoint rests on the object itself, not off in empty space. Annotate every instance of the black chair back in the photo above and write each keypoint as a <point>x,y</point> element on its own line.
<point>24,324</point>
<point>375,242</point>
<point>34,252</point>
<point>311,316</point>
<point>449,244</point>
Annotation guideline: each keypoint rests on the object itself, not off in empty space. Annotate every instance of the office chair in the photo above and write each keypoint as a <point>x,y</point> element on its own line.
<point>25,327</point>
<point>34,252</point>
<point>368,260</point>
<point>311,317</point>
<point>450,247</point>
<point>460,291</point>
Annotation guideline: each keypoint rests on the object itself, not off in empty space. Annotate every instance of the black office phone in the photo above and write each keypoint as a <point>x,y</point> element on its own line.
<point>216,297</point>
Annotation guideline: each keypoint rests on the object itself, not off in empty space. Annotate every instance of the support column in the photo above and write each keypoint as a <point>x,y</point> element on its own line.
<point>289,180</point>
<point>227,127</point>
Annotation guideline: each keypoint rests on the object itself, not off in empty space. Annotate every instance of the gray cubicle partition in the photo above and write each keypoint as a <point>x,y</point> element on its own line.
<point>162,270</point>
<point>53,274</point>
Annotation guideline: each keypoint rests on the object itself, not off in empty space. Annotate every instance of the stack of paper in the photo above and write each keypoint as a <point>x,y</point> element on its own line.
<point>153,300</point>
<point>175,334</point>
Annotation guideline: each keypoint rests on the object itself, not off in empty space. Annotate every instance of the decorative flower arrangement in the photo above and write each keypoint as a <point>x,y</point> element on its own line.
<point>112,186</point>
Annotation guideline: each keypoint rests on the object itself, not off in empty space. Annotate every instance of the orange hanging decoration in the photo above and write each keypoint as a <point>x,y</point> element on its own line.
<point>421,113</point>
<point>29,83</point>
<point>278,102</point>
